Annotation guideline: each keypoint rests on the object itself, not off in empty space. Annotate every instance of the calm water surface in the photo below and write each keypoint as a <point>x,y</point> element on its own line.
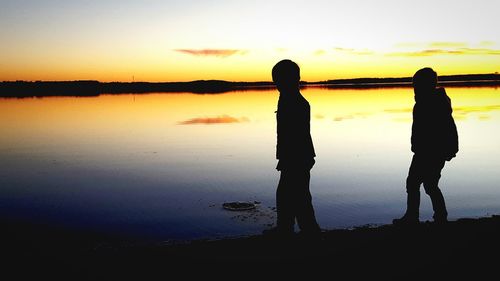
<point>161,165</point>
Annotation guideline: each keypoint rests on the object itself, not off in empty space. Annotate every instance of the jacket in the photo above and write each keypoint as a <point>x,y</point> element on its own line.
<point>434,132</point>
<point>294,143</point>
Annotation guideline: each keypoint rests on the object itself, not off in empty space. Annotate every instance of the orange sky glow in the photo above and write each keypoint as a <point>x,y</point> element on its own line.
<point>242,40</point>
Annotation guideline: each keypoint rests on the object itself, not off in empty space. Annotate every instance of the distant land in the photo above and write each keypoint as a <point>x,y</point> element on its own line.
<point>95,88</point>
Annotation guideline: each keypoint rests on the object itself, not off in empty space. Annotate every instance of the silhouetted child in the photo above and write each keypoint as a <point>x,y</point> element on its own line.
<point>434,140</point>
<point>295,152</point>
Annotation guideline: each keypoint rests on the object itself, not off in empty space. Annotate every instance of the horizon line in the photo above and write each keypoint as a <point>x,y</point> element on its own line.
<point>230,81</point>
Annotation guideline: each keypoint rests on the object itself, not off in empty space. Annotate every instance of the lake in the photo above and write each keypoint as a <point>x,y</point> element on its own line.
<point>161,165</point>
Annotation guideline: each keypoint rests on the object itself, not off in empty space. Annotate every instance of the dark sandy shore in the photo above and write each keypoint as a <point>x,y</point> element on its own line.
<point>466,248</point>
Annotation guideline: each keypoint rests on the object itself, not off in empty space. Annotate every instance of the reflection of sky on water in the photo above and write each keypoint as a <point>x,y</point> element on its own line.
<point>475,111</point>
<point>352,116</point>
<point>162,164</point>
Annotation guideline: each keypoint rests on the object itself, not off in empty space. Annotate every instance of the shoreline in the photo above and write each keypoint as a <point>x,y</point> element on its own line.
<point>89,88</point>
<point>464,246</point>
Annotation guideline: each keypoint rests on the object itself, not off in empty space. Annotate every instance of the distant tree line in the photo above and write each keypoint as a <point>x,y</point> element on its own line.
<point>95,88</point>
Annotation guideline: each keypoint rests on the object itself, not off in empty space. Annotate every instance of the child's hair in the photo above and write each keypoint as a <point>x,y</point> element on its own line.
<point>425,78</point>
<point>286,71</point>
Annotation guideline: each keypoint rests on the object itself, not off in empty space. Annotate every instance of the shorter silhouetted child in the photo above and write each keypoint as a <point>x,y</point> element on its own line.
<point>295,152</point>
<point>434,141</point>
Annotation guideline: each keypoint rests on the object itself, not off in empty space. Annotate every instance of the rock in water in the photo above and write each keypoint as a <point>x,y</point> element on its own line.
<point>238,206</point>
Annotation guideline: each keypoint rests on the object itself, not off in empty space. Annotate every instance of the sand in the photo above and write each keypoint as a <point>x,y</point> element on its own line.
<point>466,248</point>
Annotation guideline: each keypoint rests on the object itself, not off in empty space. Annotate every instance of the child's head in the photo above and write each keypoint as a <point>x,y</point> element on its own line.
<point>286,75</point>
<point>425,80</point>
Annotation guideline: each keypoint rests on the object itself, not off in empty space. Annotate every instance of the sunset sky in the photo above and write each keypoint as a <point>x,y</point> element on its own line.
<point>241,40</point>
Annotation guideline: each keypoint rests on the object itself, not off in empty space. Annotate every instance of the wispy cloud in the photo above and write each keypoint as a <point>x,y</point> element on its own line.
<point>223,119</point>
<point>425,53</point>
<point>486,43</point>
<point>443,44</point>
<point>409,45</point>
<point>444,48</point>
<point>448,44</point>
<point>319,52</point>
<point>480,51</point>
<point>212,52</point>
<point>352,51</point>
<point>484,117</point>
<point>456,51</point>
<point>343,49</point>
